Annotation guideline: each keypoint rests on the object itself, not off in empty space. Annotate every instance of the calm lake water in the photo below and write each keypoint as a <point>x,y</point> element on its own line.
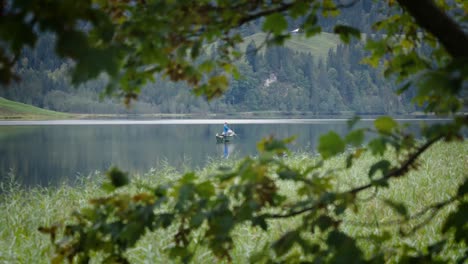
<point>51,152</point>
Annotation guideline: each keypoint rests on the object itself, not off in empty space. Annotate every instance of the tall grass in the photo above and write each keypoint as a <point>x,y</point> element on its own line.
<point>440,169</point>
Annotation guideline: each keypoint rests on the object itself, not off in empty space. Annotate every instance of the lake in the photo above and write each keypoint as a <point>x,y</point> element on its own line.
<point>54,152</point>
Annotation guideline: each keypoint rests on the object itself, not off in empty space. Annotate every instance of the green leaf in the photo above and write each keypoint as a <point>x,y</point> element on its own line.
<point>324,222</point>
<point>195,51</point>
<point>403,88</point>
<point>457,221</point>
<point>382,165</point>
<point>378,49</point>
<point>17,33</point>
<point>181,252</point>
<point>207,66</point>
<point>261,255</point>
<point>186,194</point>
<point>385,124</point>
<point>352,156</point>
<point>437,247</point>
<point>344,246</point>
<point>131,233</point>
<point>311,20</point>
<point>216,86</point>
<point>351,122</point>
<point>197,220</point>
<point>246,210</point>
<point>284,244</point>
<point>278,39</point>
<point>349,161</point>
<point>260,221</point>
<point>73,44</point>
<point>463,189</point>
<point>346,32</point>
<point>205,189</point>
<point>164,220</point>
<point>273,145</point>
<point>355,137</point>
<point>95,61</point>
<point>330,145</point>
<point>383,182</point>
<point>118,178</point>
<point>275,23</point>
<point>288,174</point>
<point>235,73</point>
<point>221,222</point>
<point>400,208</point>
<point>377,146</point>
<point>188,177</point>
<point>160,191</point>
<point>108,187</point>
<point>299,9</point>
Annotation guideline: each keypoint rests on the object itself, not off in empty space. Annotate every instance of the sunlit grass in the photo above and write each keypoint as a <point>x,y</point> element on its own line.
<point>15,110</point>
<point>318,46</point>
<point>440,170</point>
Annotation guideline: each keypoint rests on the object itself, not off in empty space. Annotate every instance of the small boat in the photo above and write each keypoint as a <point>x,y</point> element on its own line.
<point>224,138</point>
<point>221,138</point>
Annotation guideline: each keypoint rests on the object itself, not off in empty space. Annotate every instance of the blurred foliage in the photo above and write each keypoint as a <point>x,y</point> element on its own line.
<point>204,212</point>
<point>131,41</point>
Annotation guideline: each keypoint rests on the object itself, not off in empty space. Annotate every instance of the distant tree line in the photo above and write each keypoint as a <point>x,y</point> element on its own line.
<point>282,79</point>
<point>278,79</point>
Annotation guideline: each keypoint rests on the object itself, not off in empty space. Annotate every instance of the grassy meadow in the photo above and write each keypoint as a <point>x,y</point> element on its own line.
<point>14,110</point>
<point>318,46</point>
<point>441,169</point>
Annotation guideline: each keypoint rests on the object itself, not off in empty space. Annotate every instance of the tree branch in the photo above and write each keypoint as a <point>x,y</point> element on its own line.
<point>397,172</point>
<point>280,8</point>
<point>433,207</point>
<point>342,6</point>
<point>439,24</point>
<point>286,6</point>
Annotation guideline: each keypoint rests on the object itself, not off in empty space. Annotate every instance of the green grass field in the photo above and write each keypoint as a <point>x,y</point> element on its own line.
<point>14,110</point>
<point>317,46</point>
<point>441,169</point>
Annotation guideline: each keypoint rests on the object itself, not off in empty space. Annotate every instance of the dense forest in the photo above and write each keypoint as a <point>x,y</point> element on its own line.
<point>272,78</point>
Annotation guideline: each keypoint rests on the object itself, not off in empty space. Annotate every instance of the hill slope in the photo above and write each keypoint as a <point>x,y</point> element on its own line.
<point>14,110</point>
<point>317,46</point>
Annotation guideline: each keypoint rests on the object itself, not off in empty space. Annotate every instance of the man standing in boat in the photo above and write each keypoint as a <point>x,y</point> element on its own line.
<point>226,129</point>
<point>226,135</point>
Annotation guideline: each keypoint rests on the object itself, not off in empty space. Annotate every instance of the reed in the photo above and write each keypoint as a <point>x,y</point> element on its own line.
<point>440,169</point>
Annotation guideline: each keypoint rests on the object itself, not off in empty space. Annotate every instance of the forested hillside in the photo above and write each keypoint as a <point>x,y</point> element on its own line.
<point>317,75</point>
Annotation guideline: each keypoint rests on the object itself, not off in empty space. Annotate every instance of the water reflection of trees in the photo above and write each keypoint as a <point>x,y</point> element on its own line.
<point>52,154</point>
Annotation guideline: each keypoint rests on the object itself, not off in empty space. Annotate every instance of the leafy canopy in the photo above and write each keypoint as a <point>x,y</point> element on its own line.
<point>132,41</point>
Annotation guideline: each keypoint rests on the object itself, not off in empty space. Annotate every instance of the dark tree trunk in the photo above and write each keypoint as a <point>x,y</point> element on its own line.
<point>439,24</point>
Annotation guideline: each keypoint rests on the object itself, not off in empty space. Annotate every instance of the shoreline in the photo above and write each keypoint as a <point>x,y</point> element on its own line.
<point>91,122</point>
<point>238,115</point>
